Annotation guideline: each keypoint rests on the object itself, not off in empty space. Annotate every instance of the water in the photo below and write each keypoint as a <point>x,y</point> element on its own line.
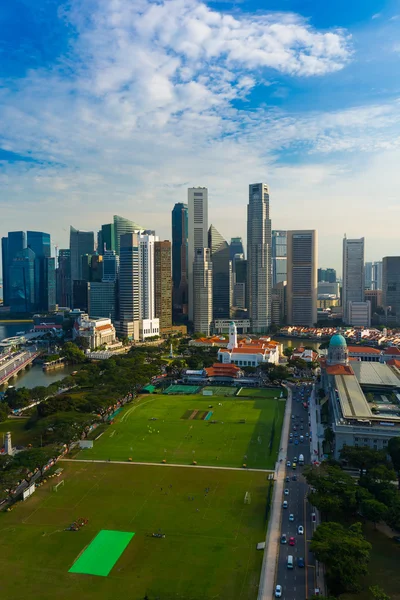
<point>288,342</point>
<point>10,329</point>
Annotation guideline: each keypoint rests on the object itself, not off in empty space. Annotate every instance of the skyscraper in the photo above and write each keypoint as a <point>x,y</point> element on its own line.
<point>63,278</point>
<point>222,274</point>
<point>373,275</point>
<point>122,226</point>
<point>102,300</point>
<point>4,268</point>
<point>22,282</point>
<point>259,258</point>
<point>235,247</point>
<point>40,243</point>
<point>202,291</point>
<point>180,258</point>
<point>80,243</point>
<point>239,282</point>
<point>327,275</point>
<point>353,285</point>
<point>197,233</point>
<point>149,323</point>
<point>110,266</point>
<point>106,238</point>
<point>279,257</point>
<point>49,284</point>
<point>163,283</point>
<point>302,260</point>
<point>10,246</point>
<point>129,297</point>
<point>391,287</point>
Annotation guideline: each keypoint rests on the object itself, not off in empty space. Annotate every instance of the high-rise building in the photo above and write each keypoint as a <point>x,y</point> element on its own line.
<point>122,226</point>
<point>359,313</point>
<point>327,275</point>
<point>239,281</point>
<point>163,283</point>
<point>197,233</point>
<point>259,258</point>
<point>373,275</point>
<point>236,247</point>
<point>279,256</point>
<point>149,323</point>
<point>391,287</point>
<point>278,303</point>
<point>80,243</point>
<point>48,297</point>
<point>63,279</point>
<point>80,294</point>
<point>106,238</point>
<point>22,282</point>
<point>102,300</point>
<point>222,274</point>
<point>45,284</point>
<point>202,291</point>
<point>301,291</point>
<point>110,266</point>
<point>129,297</point>
<point>353,274</point>
<point>96,268</point>
<point>10,246</point>
<point>180,258</point>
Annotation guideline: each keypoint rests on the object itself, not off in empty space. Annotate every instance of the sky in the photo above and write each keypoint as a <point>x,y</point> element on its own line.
<point>118,106</point>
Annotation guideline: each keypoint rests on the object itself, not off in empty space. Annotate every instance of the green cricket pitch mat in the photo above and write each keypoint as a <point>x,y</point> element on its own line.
<point>102,553</point>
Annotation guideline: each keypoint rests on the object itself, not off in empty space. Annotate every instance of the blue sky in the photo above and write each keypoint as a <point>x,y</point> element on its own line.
<point>117,106</point>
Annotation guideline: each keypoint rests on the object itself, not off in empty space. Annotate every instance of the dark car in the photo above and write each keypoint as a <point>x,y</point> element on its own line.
<point>300,563</point>
<point>294,477</point>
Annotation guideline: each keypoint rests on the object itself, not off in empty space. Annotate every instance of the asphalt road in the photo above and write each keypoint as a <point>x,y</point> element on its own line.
<point>300,582</point>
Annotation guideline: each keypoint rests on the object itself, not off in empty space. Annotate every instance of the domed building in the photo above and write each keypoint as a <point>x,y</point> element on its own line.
<point>337,352</point>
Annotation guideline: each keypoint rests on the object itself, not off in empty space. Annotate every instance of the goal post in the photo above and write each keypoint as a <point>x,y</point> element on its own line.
<point>247,498</point>
<point>59,484</point>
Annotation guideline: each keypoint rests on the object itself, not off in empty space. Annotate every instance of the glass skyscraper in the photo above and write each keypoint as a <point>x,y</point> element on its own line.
<point>45,284</point>
<point>10,246</point>
<point>22,282</point>
<point>221,274</point>
<point>122,226</point>
<point>180,258</point>
<point>279,257</point>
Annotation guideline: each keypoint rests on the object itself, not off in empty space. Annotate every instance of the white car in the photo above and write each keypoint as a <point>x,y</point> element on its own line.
<point>288,464</point>
<point>291,517</point>
<point>278,591</point>
<point>285,504</point>
<point>300,529</point>
<point>286,492</point>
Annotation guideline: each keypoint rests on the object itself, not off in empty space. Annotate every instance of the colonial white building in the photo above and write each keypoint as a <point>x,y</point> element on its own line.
<point>248,352</point>
<point>97,332</point>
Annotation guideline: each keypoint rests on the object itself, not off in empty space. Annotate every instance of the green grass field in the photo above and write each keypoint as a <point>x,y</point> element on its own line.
<point>178,439</point>
<point>209,550</point>
<point>262,393</point>
<point>221,390</point>
<point>19,435</point>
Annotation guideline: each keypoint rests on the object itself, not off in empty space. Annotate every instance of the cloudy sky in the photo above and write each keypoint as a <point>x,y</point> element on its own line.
<point>117,106</point>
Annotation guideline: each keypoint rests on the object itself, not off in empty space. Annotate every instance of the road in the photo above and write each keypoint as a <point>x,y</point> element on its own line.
<point>15,363</point>
<point>300,582</point>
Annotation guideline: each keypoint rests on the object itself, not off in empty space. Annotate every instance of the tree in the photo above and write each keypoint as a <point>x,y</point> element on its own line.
<point>394,452</point>
<point>329,435</point>
<point>362,458</point>
<point>72,353</point>
<point>344,552</point>
<point>4,411</point>
<point>369,397</point>
<point>334,491</point>
<point>378,593</point>
<point>373,510</point>
<point>36,458</point>
<point>288,351</point>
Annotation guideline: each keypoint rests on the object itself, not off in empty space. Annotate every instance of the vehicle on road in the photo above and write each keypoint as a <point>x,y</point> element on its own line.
<point>292,541</point>
<point>301,459</point>
<point>313,517</point>
<point>307,434</point>
<point>283,538</point>
<point>285,504</point>
<point>300,529</point>
<point>302,438</point>
<point>294,477</point>
<point>294,466</point>
<point>286,492</point>
<point>288,464</point>
<point>296,442</point>
<point>291,435</point>
<point>295,459</point>
<point>287,478</point>
<point>300,563</point>
<point>290,562</point>
<point>278,591</point>
<point>291,517</point>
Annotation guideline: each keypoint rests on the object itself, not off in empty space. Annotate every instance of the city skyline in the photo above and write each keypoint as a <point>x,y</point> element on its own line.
<point>223,94</point>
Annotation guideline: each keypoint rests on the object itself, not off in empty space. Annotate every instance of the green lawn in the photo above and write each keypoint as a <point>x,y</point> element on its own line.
<point>209,550</point>
<point>19,435</point>
<point>180,440</point>
<point>221,390</point>
<point>262,393</point>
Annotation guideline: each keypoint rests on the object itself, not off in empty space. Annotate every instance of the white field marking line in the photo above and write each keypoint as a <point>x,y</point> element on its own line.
<point>128,412</point>
<point>245,576</point>
<point>89,490</point>
<point>159,464</point>
<point>208,507</point>
<point>146,500</point>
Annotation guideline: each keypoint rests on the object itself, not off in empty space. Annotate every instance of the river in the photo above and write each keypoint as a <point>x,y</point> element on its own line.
<point>10,329</point>
<point>295,342</point>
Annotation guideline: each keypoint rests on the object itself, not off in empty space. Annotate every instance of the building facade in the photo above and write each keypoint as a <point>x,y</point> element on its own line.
<point>278,303</point>
<point>21,282</point>
<point>359,313</point>
<point>80,244</point>
<point>327,275</point>
<point>121,227</point>
<point>203,288</point>
<point>11,245</point>
<point>102,300</point>
<point>301,291</point>
<point>236,247</point>
<point>63,278</point>
<point>373,275</point>
<point>259,258</point>
<point>279,257</point>
<point>106,238</point>
<point>391,286</point>
<point>129,298</point>
<point>222,274</point>
<point>180,258</point>
<point>197,234</point>
<point>353,274</point>
<point>163,283</point>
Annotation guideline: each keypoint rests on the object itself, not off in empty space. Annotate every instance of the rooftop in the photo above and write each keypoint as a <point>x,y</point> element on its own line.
<point>371,373</point>
<point>363,350</point>
<point>352,400</point>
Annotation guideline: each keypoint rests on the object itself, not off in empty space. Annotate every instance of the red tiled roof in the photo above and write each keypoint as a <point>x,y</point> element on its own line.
<point>103,327</point>
<point>392,350</point>
<point>254,350</point>
<point>339,370</point>
<point>393,362</point>
<point>363,350</point>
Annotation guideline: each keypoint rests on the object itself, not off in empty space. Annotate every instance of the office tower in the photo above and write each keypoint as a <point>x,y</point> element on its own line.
<point>359,313</point>
<point>96,268</point>
<point>86,260</point>
<point>80,243</point>
<point>11,245</point>
<point>149,323</point>
<point>63,279</point>
<point>373,275</point>
<point>279,256</point>
<point>259,258</point>
<point>375,298</point>
<point>110,266</point>
<point>121,227</point>
<point>222,274</point>
<point>180,258</point>
<point>22,282</point>
<point>4,268</point>
<point>40,243</point>
<point>129,297</point>
<point>236,247</point>
<point>197,233</point>
<point>301,291</point>
<point>163,283</point>
<point>353,274</point>
<point>106,238</point>
<point>102,300</point>
<point>80,294</point>
<point>202,291</point>
<point>327,275</point>
<point>239,281</point>
<point>278,303</point>
<point>391,287</point>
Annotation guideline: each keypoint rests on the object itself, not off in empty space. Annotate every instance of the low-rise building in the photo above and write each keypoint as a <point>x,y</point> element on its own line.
<point>249,352</point>
<point>364,353</point>
<point>97,332</point>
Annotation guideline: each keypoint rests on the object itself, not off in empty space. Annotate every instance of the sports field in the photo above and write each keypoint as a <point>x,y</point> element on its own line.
<point>262,393</point>
<point>221,390</point>
<point>209,548</point>
<point>182,429</point>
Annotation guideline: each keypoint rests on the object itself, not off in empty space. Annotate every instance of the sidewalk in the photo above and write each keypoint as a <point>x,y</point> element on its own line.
<point>272,541</point>
<point>317,430</point>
